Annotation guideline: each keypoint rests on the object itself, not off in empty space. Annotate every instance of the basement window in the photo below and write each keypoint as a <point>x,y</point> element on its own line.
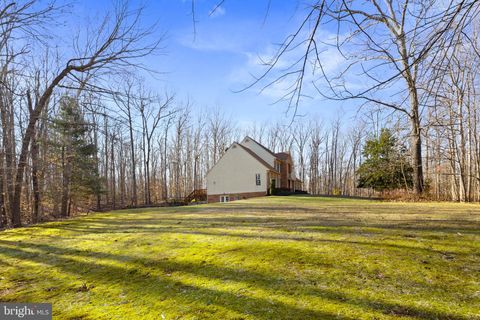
<point>257,179</point>
<point>224,198</point>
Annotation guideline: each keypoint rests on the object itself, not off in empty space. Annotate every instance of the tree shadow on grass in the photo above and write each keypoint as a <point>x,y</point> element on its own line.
<point>141,284</point>
<point>137,276</point>
<point>201,226</point>
<point>337,219</point>
<point>308,223</point>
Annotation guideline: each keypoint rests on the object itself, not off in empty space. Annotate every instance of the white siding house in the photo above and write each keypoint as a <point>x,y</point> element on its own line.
<point>246,170</point>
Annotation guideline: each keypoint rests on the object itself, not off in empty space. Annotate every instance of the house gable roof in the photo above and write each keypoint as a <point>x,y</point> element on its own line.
<point>283,155</point>
<point>253,154</point>
<point>260,145</point>
<point>250,152</point>
<point>279,155</point>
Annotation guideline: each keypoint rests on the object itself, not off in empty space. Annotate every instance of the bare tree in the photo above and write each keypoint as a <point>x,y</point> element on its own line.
<point>388,43</point>
<point>116,44</point>
<point>152,111</point>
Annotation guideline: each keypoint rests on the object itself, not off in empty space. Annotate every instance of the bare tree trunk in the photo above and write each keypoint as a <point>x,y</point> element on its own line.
<point>112,173</point>
<point>34,157</point>
<point>122,175</point>
<point>97,162</point>
<point>66,177</point>
<point>3,212</point>
<point>416,150</point>
<point>35,183</point>
<point>9,152</point>
<point>105,157</point>
<point>132,152</point>
<point>164,160</point>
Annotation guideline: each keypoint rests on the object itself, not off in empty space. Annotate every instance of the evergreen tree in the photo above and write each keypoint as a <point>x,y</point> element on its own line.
<point>385,166</point>
<point>80,177</point>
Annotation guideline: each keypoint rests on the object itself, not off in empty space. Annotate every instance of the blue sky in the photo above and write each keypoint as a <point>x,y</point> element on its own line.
<point>208,67</point>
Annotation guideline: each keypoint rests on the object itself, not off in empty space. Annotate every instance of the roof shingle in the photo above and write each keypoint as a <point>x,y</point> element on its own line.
<point>253,154</point>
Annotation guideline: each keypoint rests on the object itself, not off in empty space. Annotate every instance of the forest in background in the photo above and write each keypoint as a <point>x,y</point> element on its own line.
<point>82,130</point>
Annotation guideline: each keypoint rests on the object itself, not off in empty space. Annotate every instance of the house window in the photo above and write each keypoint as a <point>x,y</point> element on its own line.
<point>257,179</point>
<point>224,198</point>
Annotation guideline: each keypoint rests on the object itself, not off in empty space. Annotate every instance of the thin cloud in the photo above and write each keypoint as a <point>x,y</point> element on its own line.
<point>219,36</point>
<point>256,64</point>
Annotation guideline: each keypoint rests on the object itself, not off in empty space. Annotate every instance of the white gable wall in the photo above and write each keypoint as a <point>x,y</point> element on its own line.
<point>260,151</point>
<point>235,173</point>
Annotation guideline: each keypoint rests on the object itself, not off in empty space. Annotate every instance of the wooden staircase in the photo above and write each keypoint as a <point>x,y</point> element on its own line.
<point>196,195</point>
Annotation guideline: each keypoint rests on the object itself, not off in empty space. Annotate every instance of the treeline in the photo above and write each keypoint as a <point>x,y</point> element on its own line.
<point>82,130</point>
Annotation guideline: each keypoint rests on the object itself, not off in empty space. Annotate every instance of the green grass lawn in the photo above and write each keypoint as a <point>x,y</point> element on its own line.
<point>264,258</point>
